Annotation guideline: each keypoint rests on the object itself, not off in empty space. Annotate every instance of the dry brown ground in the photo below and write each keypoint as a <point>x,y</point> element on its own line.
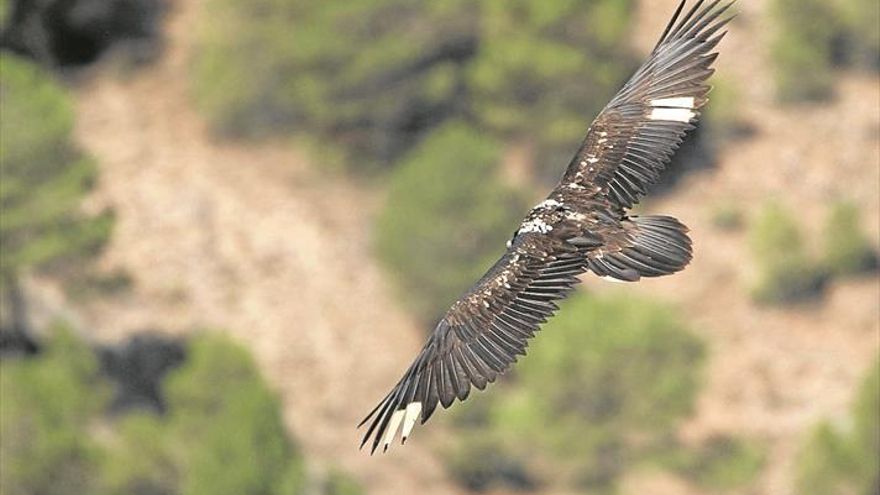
<point>773,372</point>
<point>249,238</point>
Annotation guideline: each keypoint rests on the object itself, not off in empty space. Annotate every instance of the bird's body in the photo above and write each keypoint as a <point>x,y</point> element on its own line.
<point>581,226</point>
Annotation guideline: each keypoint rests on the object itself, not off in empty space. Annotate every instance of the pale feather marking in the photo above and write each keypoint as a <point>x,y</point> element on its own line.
<point>413,410</point>
<point>674,114</point>
<point>396,418</point>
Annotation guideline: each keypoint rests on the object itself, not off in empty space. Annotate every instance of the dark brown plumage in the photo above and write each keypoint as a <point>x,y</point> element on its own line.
<point>581,226</point>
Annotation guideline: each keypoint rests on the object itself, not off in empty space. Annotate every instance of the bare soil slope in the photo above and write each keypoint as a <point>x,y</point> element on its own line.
<point>250,239</point>
<point>774,373</point>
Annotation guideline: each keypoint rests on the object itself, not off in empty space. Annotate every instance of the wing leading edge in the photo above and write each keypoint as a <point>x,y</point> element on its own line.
<point>624,151</point>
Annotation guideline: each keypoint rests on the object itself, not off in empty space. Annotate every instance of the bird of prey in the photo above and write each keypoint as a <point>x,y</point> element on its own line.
<point>582,226</point>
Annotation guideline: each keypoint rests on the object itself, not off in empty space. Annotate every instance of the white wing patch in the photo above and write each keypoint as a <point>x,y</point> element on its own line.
<point>678,109</point>
<point>676,114</point>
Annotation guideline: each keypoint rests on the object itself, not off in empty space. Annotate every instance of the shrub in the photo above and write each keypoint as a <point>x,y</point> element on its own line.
<point>723,118</point>
<point>371,74</point>
<point>814,38</point>
<point>847,248</point>
<point>339,483</point>
<point>46,413</point>
<point>844,461</point>
<point>544,68</point>
<point>446,218</point>
<point>727,217</point>
<point>601,392</point>
<point>786,273</point>
<point>861,32</point>
<point>482,463</point>
<point>802,50</point>
<point>375,76</point>
<point>43,178</point>
<point>721,463</point>
<point>140,458</point>
<point>227,424</point>
<point>222,432</point>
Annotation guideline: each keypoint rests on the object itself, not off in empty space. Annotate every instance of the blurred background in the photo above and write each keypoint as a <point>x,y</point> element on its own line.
<point>228,226</point>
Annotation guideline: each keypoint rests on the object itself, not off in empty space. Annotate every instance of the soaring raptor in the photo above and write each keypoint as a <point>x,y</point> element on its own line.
<point>582,226</point>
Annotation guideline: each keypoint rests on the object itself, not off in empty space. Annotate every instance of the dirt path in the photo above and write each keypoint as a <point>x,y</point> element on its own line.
<point>250,240</point>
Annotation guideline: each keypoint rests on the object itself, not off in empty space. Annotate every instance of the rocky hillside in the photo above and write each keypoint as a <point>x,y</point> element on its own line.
<point>254,239</point>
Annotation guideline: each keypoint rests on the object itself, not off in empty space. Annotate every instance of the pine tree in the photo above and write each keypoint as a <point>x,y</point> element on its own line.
<point>601,394</point>
<point>43,178</point>
<point>374,77</point>
<point>446,218</point>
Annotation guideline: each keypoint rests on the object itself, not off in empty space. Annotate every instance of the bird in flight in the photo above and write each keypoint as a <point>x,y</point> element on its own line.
<point>582,226</point>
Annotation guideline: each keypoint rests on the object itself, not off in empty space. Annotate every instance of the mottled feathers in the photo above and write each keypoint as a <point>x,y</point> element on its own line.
<point>581,226</point>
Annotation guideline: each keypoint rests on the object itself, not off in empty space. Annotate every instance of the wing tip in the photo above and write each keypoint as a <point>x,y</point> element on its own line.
<point>401,419</point>
<point>685,27</point>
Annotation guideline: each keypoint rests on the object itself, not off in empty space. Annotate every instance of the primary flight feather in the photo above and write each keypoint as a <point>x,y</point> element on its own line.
<point>581,226</point>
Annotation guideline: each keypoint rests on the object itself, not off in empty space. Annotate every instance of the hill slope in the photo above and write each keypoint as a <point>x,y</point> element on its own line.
<point>251,239</point>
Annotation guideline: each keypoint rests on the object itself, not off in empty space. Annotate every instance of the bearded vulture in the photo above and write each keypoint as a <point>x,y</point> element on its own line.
<point>582,226</point>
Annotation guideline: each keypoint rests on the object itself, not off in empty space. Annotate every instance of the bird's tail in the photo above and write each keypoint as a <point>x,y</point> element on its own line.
<point>659,246</point>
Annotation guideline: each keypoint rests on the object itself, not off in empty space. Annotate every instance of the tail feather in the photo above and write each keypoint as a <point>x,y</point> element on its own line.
<point>658,246</point>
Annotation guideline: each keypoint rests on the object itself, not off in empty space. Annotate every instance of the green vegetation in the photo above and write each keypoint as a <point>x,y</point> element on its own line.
<point>43,178</point>
<point>860,33</point>
<point>814,38</point>
<point>847,250</point>
<point>4,13</point>
<point>366,72</point>
<point>376,76</point>
<point>339,483</point>
<point>601,396</point>
<point>228,424</point>
<point>222,433</point>
<point>140,458</point>
<point>485,461</point>
<point>802,49</point>
<point>727,216</point>
<point>720,464</point>
<point>786,272</point>
<point>842,461</point>
<point>545,68</point>
<point>723,119</point>
<point>446,218</point>
<point>46,418</point>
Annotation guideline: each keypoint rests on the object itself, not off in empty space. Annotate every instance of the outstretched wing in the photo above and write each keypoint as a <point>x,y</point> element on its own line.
<point>633,138</point>
<point>483,332</point>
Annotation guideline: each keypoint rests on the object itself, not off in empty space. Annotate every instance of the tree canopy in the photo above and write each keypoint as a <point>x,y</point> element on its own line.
<point>222,431</point>
<point>375,76</point>
<point>446,218</point>
<point>605,392</point>
<point>43,176</point>
<point>841,461</point>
